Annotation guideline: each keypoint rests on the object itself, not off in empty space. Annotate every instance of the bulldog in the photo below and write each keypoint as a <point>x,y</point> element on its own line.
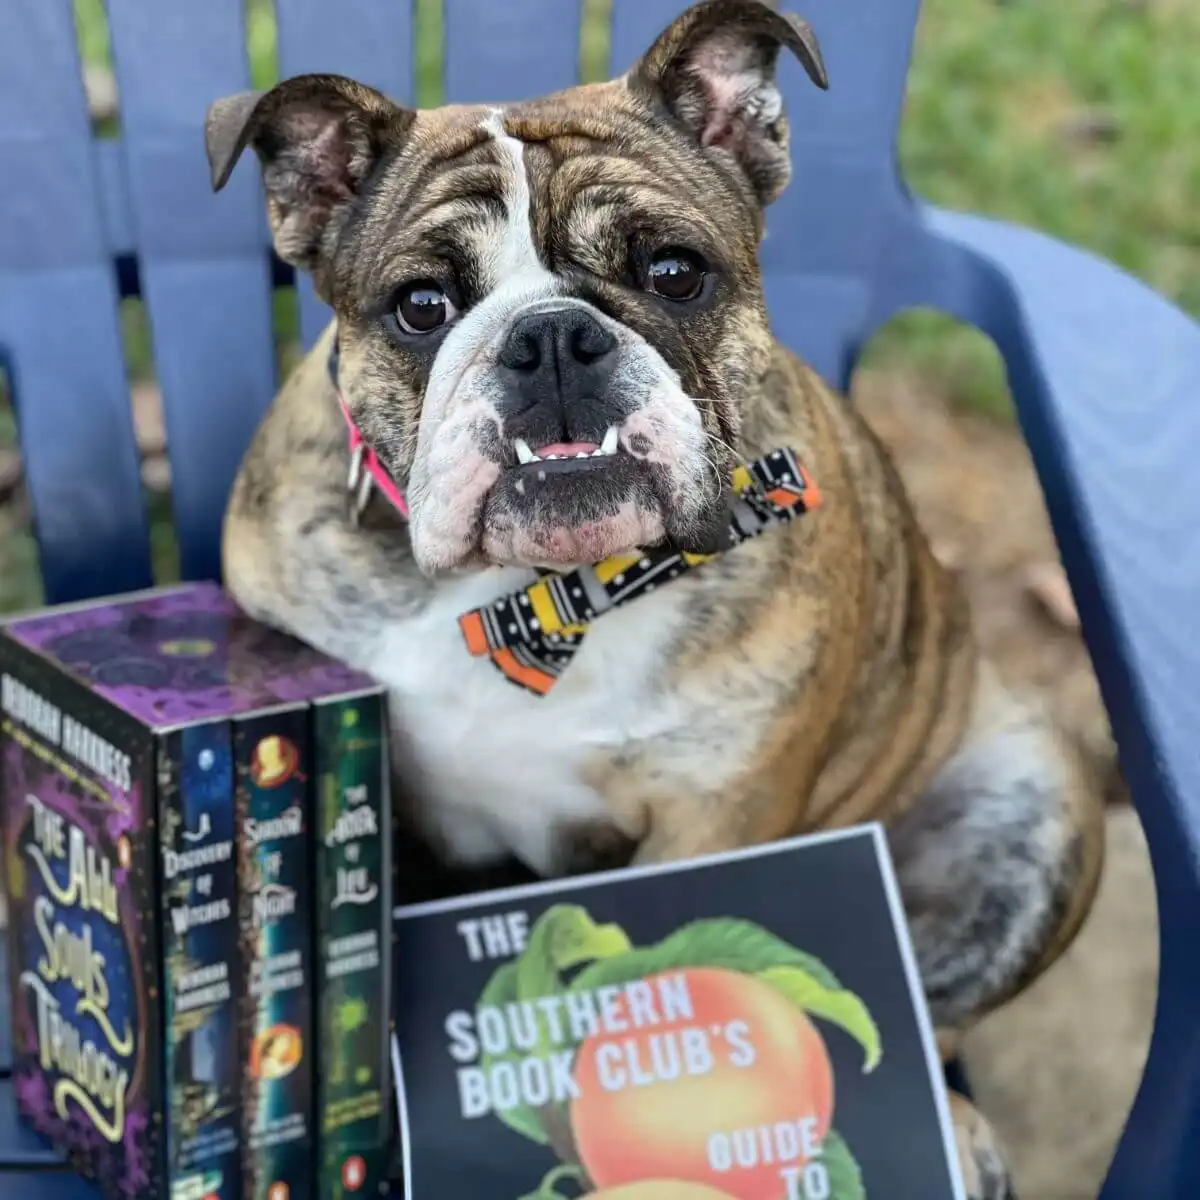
<point>640,585</point>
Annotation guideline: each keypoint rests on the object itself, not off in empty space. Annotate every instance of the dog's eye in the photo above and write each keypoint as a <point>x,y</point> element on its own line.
<point>423,307</point>
<point>677,274</point>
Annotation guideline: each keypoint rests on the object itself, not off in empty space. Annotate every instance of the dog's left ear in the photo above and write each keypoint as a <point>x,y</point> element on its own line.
<point>715,68</point>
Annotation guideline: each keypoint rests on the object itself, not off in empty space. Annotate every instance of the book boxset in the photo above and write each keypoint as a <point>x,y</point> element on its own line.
<point>197,840</point>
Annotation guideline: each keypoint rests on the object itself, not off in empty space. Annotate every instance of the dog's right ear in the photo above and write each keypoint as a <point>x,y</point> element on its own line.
<point>318,138</point>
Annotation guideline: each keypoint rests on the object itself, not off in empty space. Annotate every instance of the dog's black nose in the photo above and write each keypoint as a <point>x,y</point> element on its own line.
<point>562,352</point>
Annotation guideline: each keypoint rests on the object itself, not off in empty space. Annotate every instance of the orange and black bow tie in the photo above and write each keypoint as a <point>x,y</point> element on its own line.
<point>532,635</point>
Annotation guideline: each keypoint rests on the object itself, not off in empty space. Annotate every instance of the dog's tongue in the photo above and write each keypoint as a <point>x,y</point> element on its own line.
<point>567,449</point>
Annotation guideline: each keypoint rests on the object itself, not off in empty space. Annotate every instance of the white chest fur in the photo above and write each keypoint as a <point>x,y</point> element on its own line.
<point>492,768</point>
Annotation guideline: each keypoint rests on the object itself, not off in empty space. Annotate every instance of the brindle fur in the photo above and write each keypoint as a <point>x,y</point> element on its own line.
<point>822,675</point>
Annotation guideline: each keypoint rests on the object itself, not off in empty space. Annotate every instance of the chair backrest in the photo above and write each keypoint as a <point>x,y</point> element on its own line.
<point>71,207</point>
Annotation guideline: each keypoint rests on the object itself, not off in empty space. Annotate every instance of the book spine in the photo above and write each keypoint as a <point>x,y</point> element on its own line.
<point>354,854</point>
<point>274,767</point>
<point>200,962</point>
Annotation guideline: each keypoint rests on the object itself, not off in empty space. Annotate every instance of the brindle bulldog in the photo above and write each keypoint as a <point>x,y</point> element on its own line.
<point>551,348</point>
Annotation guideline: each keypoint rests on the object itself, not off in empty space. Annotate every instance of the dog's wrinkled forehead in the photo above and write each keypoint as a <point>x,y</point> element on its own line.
<point>472,187</point>
<point>547,195</point>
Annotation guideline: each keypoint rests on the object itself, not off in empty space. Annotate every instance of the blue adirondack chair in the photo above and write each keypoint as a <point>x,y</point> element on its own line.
<point>1106,374</point>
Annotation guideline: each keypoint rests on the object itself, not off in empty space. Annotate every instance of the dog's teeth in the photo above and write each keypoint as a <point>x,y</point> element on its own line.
<point>524,454</point>
<point>584,454</point>
<point>609,445</point>
<point>596,454</point>
<point>553,457</point>
<point>541,477</point>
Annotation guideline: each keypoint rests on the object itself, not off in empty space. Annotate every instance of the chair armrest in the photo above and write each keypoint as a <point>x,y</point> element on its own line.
<point>1105,374</point>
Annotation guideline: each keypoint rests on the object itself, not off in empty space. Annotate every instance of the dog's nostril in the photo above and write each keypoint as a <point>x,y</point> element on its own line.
<point>590,342</point>
<point>522,350</point>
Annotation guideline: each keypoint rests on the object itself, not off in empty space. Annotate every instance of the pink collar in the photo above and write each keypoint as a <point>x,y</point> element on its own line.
<point>366,472</point>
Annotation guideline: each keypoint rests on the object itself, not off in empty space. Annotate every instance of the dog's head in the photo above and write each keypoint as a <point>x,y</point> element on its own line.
<point>548,311</point>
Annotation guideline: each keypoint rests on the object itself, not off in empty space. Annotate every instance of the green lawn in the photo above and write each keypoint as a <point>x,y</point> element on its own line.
<point>1080,119</point>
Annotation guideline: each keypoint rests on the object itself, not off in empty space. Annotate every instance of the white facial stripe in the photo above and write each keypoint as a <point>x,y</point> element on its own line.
<point>514,279</point>
<point>515,255</point>
<point>462,379</point>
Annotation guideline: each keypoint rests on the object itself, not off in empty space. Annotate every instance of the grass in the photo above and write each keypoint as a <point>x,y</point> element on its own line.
<point>1077,119</point>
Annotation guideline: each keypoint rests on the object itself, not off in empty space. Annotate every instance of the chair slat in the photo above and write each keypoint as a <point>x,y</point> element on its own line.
<point>364,39</point>
<point>367,40</point>
<point>635,25</point>
<point>867,49</point>
<point>510,51</point>
<point>844,176</point>
<point>59,334</point>
<point>51,218</point>
<point>204,270</point>
<point>821,318</point>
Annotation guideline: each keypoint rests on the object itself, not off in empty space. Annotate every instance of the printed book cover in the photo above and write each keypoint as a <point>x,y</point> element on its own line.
<point>743,1027</point>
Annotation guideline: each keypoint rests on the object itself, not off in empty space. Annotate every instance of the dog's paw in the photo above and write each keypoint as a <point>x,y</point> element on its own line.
<point>985,1174</point>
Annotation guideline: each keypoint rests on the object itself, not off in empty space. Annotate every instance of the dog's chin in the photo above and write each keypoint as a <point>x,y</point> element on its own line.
<point>566,516</point>
<point>556,545</point>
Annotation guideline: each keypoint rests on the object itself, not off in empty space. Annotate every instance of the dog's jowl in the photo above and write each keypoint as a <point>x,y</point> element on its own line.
<point>702,613</point>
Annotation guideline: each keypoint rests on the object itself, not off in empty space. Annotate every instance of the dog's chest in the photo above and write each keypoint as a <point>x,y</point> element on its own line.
<point>494,769</point>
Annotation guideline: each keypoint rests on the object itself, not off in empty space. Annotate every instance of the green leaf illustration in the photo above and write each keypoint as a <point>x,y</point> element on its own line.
<point>845,1179</point>
<point>563,937</point>
<point>727,942</point>
<point>836,1005</point>
<point>501,990</point>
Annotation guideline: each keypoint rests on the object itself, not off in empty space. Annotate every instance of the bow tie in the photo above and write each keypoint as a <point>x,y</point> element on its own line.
<point>532,635</point>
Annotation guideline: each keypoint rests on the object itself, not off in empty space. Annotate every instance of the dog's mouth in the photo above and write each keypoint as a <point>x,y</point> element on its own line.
<point>566,502</point>
<point>567,457</point>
